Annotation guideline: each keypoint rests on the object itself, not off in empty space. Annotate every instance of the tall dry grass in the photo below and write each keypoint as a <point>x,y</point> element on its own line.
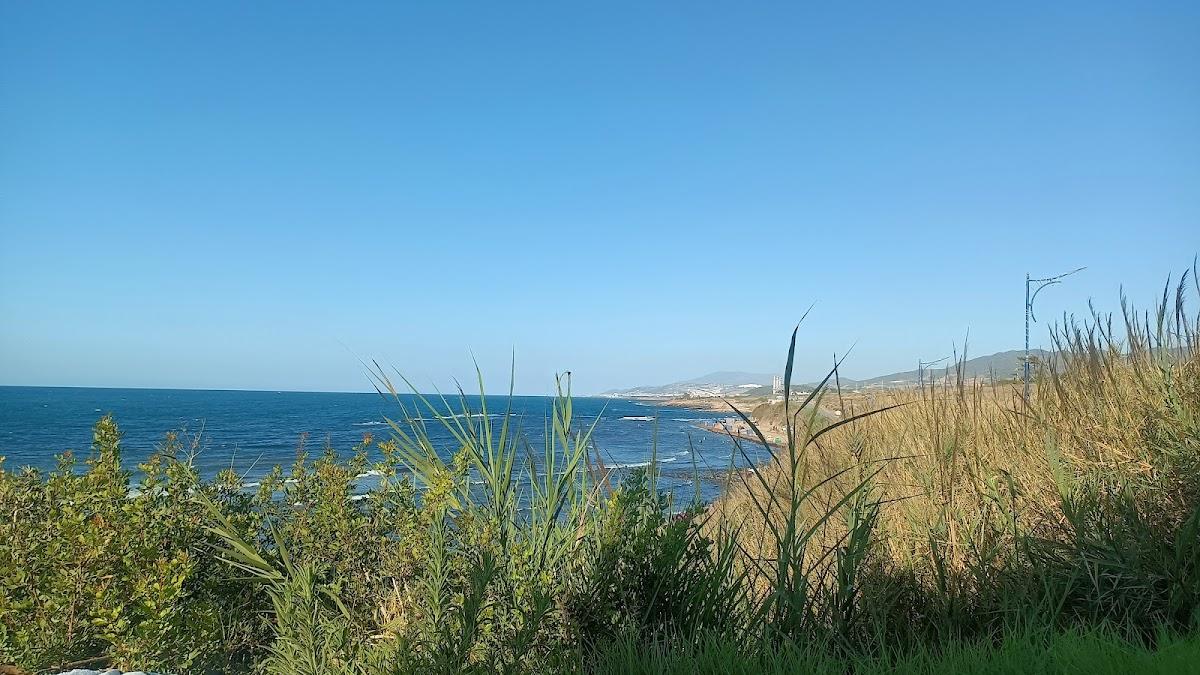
<point>961,506</point>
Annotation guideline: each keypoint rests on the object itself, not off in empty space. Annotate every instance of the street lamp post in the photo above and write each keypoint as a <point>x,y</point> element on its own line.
<point>1029,298</point>
<point>922,365</point>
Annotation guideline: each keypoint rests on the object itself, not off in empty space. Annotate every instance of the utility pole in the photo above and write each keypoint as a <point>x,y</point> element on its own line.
<point>1029,298</point>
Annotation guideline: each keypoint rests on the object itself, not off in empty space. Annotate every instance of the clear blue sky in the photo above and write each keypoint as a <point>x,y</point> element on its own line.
<point>255,195</point>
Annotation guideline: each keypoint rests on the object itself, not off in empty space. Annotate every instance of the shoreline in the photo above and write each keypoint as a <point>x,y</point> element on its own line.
<point>729,426</point>
<point>740,431</point>
<point>709,404</point>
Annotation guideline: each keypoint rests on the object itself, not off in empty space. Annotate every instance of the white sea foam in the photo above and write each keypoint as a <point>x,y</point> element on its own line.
<point>448,416</point>
<point>638,418</point>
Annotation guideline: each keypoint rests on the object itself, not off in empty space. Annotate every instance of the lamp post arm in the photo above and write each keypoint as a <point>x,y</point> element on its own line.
<point>1029,298</point>
<point>1032,314</point>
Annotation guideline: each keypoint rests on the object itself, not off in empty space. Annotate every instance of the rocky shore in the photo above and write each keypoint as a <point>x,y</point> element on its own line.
<point>713,403</point>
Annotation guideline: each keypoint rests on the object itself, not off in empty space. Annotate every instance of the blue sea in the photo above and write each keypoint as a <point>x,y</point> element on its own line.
<point>250,431</point>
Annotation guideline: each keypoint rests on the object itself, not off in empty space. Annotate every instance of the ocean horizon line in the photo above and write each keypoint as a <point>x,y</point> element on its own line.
<point>291,391</point>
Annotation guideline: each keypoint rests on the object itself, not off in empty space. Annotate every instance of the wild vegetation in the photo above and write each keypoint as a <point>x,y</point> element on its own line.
<point>957,528</point>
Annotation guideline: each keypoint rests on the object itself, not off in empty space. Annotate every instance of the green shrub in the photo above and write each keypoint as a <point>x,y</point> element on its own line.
<point>88,570</point>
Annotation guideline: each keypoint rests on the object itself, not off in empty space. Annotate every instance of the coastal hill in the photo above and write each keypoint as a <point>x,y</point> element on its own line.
<point>993,367</point>
<point>720,383</point>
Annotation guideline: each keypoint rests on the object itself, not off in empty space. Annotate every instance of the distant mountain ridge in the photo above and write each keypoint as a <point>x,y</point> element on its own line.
<point>730,378</point>
<point>720,383</point>
<point>998,366</point>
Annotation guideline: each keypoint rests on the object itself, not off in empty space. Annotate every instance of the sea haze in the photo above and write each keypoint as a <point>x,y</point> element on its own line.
<point>251,431</point>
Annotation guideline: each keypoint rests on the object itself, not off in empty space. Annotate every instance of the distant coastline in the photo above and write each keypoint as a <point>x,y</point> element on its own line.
<point>758,409</point>
<point>713,403</point>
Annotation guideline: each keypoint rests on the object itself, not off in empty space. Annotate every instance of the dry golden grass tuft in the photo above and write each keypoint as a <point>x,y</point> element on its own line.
<point>976,488</point>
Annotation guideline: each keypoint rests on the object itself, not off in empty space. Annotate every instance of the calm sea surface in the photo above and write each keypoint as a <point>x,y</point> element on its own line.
<point>251,431</point>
